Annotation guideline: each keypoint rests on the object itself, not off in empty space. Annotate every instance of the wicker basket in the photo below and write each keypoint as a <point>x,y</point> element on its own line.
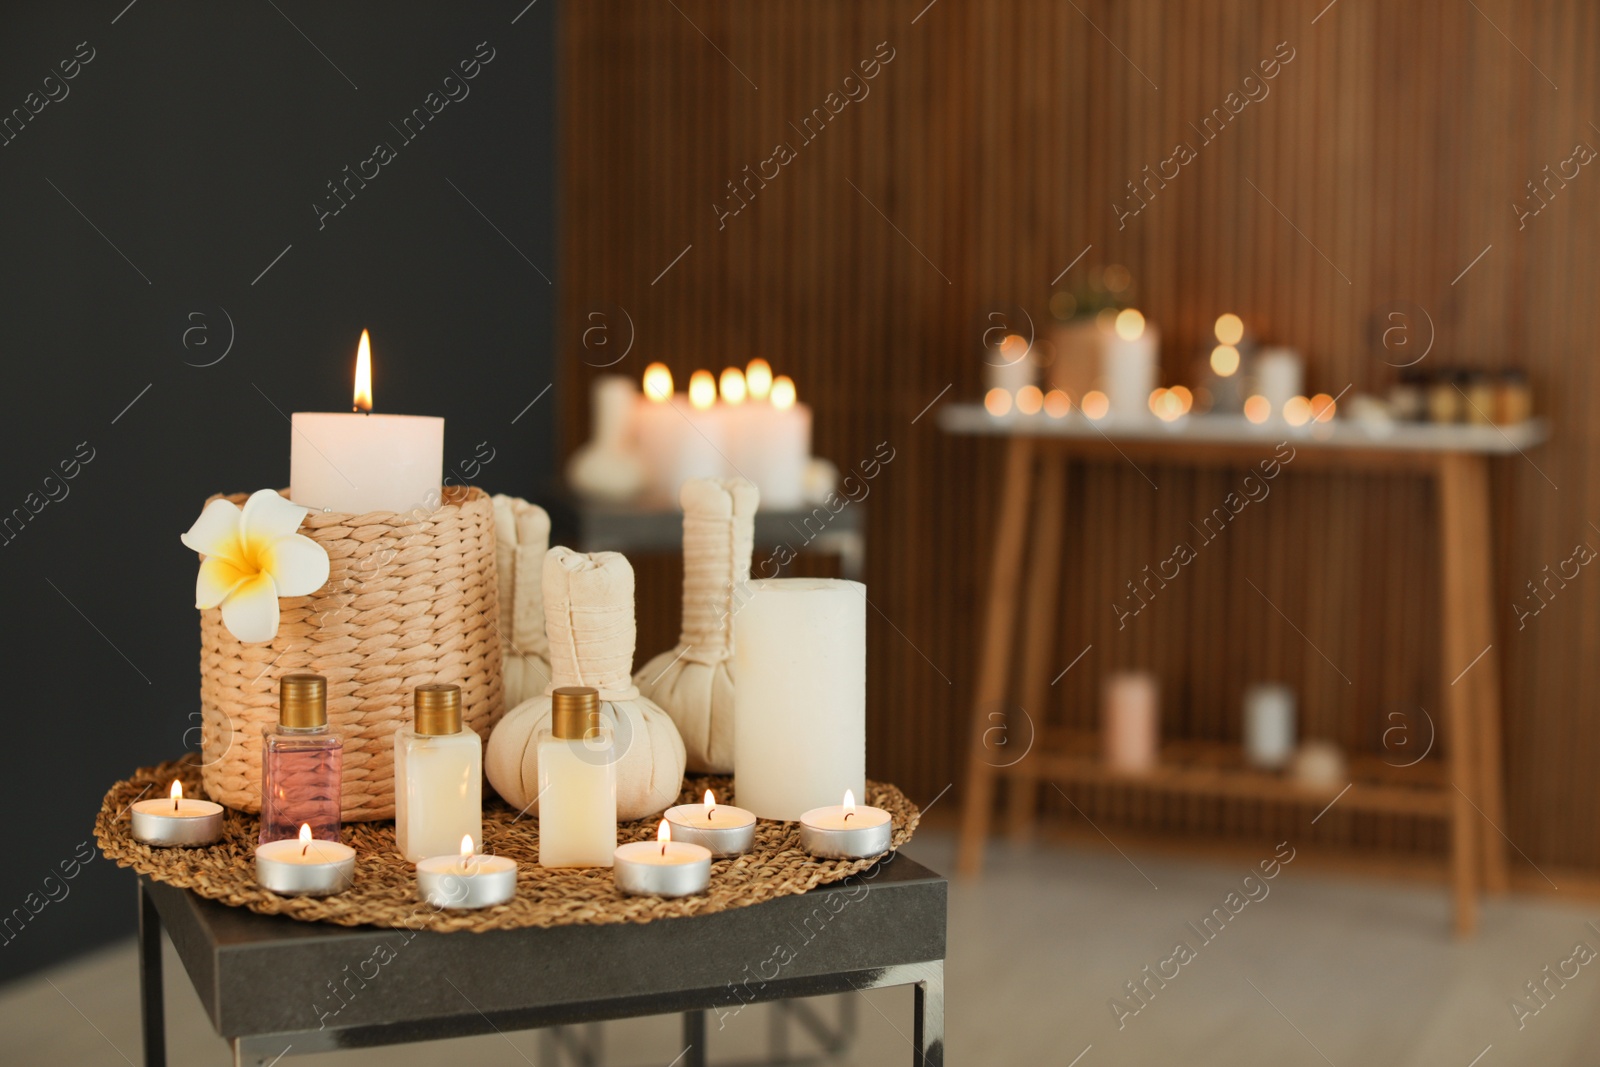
<point>408,601</point>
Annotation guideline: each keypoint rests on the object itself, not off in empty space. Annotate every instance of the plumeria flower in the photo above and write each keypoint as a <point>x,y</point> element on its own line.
<point>252,556</point>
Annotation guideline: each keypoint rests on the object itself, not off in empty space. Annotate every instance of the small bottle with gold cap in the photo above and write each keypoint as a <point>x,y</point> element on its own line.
<point>577,783</point>
<point>438,778</point>
<point>300,763</point>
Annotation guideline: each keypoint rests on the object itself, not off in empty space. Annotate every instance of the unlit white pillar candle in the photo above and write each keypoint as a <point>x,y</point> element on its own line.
<point>800,705</point>
<point>1132,726</point>
<point>1280,374</point>
<point>1269,725</point>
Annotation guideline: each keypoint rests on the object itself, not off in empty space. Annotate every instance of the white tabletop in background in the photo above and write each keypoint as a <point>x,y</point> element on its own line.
<point>1237,430</point>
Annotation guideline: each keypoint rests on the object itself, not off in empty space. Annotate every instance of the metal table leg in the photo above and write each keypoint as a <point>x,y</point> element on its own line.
<point>928,1029</point>
<point>151,1013</point>
<point>694,1037</point>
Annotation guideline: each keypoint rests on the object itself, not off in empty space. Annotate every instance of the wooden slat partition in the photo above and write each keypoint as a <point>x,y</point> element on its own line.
<point>987,156</point>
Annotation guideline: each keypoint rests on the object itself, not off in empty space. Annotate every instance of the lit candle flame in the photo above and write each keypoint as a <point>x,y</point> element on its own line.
<point>1095,404</point>
<point>783,394</point>
<point>1229,329</point>
<point>997,402</point>
<point>363,394</point>
<point>664,835</point>
<point>176,794</point>
<point>758,378</point>
<point>1130,324</point>
<point>849,803</point>
<point>702,390</point>
<point>732,385</point>
<point>1224,360</point>
<point>305,837</point>
<point>711,804</point>
<point>658,382</point>
<point>466,848</point>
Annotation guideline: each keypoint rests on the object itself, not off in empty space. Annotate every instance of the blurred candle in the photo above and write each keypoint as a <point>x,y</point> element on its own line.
<point>1132,721</point>
<point>1280,374</point>
<point>758,378</point>
<point>1269,725</point>
<point>775,456</point>
<point>1130,364</point>
<point>1009,365</point>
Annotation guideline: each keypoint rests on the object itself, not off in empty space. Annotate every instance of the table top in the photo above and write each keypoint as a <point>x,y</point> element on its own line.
<point>331,986</point>
<point>1236,430</point>
<point>656,525</point>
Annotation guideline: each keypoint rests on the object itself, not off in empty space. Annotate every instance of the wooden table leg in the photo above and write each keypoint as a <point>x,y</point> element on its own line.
<point>1460,579</point>
<point>1038,642</point>
<point>1000,616</point>
<point>1484,676</point>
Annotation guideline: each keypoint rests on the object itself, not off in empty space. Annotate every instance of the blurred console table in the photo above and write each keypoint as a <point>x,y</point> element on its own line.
<point>1466,792</point>
<point>650,526</point>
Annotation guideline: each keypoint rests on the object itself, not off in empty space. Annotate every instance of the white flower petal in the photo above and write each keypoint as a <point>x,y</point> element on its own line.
<point>268,516</point>
<point>298,565</point>
<point>218,578</point>
<point>251,612</point>
<point>216,532</point>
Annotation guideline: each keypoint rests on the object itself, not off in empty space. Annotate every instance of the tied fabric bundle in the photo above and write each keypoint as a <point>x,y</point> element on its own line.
<point>522,536</point>
<point>590,623</point>
<point>694,681</point>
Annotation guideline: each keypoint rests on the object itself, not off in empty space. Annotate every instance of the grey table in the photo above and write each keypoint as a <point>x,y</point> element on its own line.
<point>657,526</point>
<point>273,986</point>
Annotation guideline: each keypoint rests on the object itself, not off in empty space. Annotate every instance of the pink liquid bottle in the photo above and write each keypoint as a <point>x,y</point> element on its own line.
<point>300,764</point>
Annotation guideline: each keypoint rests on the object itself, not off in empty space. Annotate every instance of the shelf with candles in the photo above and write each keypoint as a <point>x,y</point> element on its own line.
<point>1220,769</point>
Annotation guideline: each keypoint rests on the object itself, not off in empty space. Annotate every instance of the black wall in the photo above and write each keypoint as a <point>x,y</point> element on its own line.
<point>197,140</point>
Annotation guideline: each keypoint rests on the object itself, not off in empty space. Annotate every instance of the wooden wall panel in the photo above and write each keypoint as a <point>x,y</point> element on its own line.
<point>986,157</point>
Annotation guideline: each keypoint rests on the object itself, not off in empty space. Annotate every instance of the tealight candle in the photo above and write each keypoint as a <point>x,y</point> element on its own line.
<point>176,821</point>
<point>845,831</point>
<point>306,867</point>
<point>468,880</point>
<point>722,828</point>
<point>663,867</point>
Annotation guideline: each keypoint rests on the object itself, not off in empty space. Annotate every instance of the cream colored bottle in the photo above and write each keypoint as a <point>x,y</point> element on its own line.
<point>438,778</point>
<point>577,783</point>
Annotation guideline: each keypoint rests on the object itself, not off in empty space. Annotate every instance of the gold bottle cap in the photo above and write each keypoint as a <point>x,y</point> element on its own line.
<point>438,709</point>
<point>574,711</point>
<point>302,700</point>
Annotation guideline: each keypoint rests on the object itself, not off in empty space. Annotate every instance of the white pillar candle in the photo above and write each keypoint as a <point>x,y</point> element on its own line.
<point>663,867</point>
<point>1269,725</point>
<point>176,821</point>
<point>1131,731</point>
<point>606,466</point>
<point>846,831</point>
<point>777,448</point>
<point>305,867</point>
<point>1131,362</point>
<point>360,462</point>
<point>1280,375</point>
<point>682,439</point>
<point>466,880</point>
<point>800,706</point>
<point>722,828</point>
<point>1009,365</point>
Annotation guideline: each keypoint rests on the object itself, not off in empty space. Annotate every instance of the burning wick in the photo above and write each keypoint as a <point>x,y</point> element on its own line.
<point>710,800</point>
<point>305,835</point>
<point>177,794</point>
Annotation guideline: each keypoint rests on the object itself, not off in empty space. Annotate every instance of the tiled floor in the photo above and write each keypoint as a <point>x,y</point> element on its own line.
<point>1312,969</point>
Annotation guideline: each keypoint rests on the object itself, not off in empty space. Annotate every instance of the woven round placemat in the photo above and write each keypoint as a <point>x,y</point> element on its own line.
<point>385,892</point>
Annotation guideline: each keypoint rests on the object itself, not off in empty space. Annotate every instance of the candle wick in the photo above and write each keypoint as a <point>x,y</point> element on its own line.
<point>306,849</point>
<point>709,812</point>
<point>847,815</point>
<point>663,848</point>
<point>174,803</point>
